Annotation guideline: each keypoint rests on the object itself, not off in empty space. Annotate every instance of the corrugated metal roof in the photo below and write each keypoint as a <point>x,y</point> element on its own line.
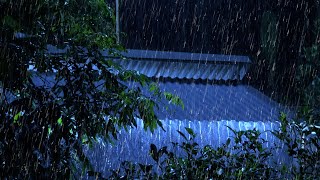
<point>205,101</point>
<point>183,65</point>
<point>220,102</point>
<point>179,65</point>
<point>209,109</point>
<point>188,70</point>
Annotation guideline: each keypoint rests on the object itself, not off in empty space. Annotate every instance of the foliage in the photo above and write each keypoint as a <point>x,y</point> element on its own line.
<point>269,44</point>
<point>287,60</point>
<point>303,144</point>
<point>288,68</point>
<point>45,125</point>
<point>245,156</point>
<point>309,71</point>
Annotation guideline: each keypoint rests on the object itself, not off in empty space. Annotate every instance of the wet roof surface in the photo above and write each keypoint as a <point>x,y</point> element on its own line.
<point>202,101</point>
<point>219,102</point>
<point>179,65</point>
<point>209,101</point>
<point>186,70</point>
<point>183,65</point>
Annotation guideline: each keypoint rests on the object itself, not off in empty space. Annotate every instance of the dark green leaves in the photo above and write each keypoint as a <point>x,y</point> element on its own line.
<point>59,121</point>
<point>10,22</point>
<point>85,97</point>
<point>16,117</point>
<point>173,99</point>
<point>184,136</point>
<point>190,131</point>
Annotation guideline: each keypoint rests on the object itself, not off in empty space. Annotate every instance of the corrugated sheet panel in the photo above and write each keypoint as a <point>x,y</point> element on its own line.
<point>179,64</point>
<point>218,102</point>
<point>188,70</point>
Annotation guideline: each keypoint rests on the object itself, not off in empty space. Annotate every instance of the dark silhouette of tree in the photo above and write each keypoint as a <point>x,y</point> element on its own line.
<point>44,126</point>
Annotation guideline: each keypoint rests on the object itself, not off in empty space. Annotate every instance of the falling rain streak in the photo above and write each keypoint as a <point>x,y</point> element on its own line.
<point>218,67</point>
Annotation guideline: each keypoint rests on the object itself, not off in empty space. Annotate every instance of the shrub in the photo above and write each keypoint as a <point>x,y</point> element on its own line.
<point>243,156</point>
<point>302,141</point>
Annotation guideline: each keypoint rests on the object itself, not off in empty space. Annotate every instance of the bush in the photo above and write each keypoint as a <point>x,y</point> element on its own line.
<point>302,141</point>
<point>242,157</point>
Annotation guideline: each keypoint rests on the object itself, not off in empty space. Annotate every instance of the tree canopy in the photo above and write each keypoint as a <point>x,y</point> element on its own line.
<point>43,128</point>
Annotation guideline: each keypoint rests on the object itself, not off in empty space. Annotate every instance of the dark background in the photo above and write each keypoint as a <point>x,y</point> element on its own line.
<point>220,26</point>
<point>225,27</point>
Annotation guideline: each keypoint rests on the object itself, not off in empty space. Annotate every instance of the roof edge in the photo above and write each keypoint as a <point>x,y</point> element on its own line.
<point>164,55</point>
<point>182,56</point>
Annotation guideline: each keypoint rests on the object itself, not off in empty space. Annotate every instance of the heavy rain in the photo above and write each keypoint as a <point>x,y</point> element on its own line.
<point>159,89</point>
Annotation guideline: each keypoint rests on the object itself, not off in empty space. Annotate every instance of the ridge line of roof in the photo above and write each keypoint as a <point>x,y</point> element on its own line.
<point>183,56</point>
<point>164,55</point>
